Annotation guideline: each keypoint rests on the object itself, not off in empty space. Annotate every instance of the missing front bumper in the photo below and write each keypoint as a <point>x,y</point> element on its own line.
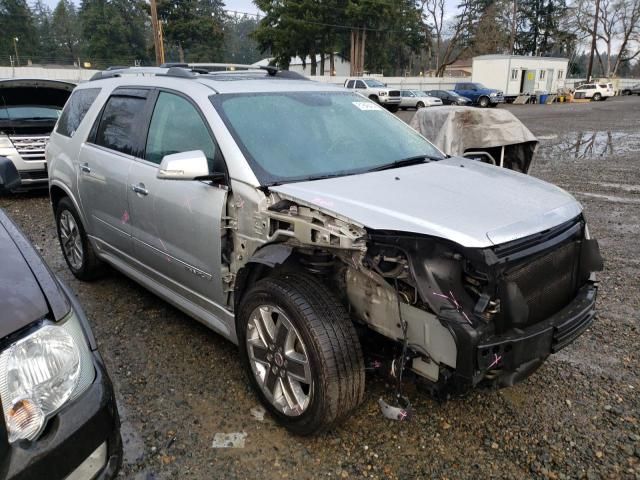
<point>509,358</point>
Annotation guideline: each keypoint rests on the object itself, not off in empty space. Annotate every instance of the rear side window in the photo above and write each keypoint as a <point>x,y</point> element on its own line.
<point>75,110</point>
<point>121,117</point>
<point>350,83</point>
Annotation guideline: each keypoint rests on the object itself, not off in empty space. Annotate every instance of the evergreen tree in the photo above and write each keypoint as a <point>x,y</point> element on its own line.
<point>17,22</point>
<point>66,31</point>
<point>193,28</point>
<point>44,36</point>
<point>114,32</point>
<point>239,44</point>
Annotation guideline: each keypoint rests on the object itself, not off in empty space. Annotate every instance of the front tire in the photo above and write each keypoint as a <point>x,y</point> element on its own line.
<point>483,102</point>
<point>597,97</point>
<point>301,352</point>
<point>419,105</point>
<point>76,248</point>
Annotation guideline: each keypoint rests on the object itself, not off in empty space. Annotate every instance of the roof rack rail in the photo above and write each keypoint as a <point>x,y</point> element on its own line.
<point>191,70</point>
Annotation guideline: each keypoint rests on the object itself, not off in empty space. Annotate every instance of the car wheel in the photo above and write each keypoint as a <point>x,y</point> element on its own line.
<point>483,102</point>
<point>301,352</point>
<point>419,105</point>
<point>374,98</point>
<point>597,97</point>
<point>76,248</point>
<point>393,108</point>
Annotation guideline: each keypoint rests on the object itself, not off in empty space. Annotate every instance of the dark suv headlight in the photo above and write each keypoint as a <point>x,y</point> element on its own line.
<point>42,372</point>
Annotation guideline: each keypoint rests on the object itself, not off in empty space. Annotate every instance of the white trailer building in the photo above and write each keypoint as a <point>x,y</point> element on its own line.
<point>516,74</point>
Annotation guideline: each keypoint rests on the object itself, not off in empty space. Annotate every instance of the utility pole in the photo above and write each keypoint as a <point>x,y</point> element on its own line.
<point>157,34</point>
<point>593,40</point>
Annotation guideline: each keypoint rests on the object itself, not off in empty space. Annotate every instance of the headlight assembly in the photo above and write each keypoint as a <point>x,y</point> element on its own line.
<point>40,373</point>
<point>382,94</point>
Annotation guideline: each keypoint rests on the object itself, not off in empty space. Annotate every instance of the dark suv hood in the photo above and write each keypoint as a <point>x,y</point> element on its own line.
<point>28,289</point>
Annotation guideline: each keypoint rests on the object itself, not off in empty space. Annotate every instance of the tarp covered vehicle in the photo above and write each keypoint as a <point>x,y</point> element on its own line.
<point>491,136</point>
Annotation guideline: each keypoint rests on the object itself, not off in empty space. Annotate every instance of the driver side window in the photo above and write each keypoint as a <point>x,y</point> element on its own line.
<point>176,126</point>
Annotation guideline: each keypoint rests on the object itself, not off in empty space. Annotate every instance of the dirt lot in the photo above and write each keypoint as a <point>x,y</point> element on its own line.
<point>178,385</point>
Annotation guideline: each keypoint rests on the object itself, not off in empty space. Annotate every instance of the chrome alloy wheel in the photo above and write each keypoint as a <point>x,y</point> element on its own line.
<point>71,239</point>
<point>279,360</point>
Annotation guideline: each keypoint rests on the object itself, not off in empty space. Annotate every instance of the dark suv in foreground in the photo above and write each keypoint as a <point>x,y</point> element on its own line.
<point>59,413</point>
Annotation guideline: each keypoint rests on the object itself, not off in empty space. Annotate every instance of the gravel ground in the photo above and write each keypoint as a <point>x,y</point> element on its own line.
<point>178,384</point>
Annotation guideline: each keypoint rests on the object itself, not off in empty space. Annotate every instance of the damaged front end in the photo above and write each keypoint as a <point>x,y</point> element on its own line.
<point>464,317</point>
<point>473,317</point>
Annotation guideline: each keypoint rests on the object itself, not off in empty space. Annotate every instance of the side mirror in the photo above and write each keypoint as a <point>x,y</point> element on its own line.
<point>184,166</point>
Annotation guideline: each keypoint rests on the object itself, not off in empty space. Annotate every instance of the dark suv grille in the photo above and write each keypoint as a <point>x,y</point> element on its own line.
<point>548,282</point>
<point>394,93</point>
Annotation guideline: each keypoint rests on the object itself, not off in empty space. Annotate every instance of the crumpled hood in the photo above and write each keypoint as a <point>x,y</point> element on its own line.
<point>468,202</point>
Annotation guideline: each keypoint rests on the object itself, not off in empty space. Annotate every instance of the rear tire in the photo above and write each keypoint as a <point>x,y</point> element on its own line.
<point>76,247</point>
<point>292,327</point>
<point>597,97</point>
<point>419,105</point>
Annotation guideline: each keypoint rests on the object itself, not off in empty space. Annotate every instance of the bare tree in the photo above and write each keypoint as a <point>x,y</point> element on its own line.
<point>618,30</point>
<point>447,34</point>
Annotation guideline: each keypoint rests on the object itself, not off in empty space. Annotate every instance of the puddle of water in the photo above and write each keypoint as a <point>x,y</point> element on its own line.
<point>610,198</point>
<point>586,145</point>
<point>132,443</point>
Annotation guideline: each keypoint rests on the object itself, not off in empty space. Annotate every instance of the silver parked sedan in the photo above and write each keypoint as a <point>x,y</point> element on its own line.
<point>417,99</point>
<point>299,220</point>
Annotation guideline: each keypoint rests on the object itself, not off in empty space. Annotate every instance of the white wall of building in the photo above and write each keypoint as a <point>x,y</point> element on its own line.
<point>340,64</point>
<point>67,74</point>
<point>503,72</point>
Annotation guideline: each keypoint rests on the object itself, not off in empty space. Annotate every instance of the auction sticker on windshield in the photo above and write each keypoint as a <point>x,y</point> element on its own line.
<point>366,106</point>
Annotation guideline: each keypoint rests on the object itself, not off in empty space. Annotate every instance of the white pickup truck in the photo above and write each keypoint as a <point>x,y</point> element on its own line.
<point>376,91</point>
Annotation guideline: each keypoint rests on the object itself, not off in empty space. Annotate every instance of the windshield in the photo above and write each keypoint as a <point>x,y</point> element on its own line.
<point>294,136</point>
<point>374,83</point>
<point>29,112</point>
<point>454,94</point>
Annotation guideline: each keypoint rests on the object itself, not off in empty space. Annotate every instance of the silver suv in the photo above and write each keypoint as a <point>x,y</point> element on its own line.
<point>299,220</point>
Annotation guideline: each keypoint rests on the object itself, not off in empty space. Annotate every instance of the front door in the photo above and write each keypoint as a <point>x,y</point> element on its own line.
<point>550,73</point>
<point>103,169</point>
<point>177,225</point>
<point>528,81</point>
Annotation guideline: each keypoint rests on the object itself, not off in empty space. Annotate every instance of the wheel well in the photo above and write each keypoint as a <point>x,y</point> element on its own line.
<point>317,262</point>
<point>373,97</point>
<point>56,194</point>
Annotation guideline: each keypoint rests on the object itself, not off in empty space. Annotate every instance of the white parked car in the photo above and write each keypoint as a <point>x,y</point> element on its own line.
<point>594,91</point>
<point>417,99</point>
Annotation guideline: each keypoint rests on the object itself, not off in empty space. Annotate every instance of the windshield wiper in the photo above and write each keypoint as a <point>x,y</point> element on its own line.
<point>33,119</point>
<point>406,162</point>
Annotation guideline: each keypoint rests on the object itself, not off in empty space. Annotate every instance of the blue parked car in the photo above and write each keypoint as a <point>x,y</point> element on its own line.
<point>479,94</point>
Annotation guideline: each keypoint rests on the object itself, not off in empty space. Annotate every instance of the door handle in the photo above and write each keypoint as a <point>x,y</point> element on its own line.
<point>140,189</point>
<point>85,168</point>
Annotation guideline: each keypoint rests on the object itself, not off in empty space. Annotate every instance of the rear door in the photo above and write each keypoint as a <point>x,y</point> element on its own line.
<point>177,225</point>
<point>103,168</point>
